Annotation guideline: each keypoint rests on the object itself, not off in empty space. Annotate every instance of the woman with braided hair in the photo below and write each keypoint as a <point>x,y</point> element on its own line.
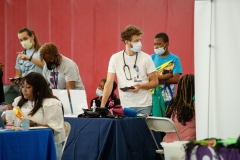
<point>181,110</point>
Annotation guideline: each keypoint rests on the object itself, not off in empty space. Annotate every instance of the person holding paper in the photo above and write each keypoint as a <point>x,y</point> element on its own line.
<point>135,72</point>
<point>113,100</point>
<point>28,60</point>
<point>41,107</point>
<point>60,71</point>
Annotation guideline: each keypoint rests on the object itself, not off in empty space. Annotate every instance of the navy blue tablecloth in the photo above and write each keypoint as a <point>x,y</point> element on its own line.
<point>109,139</point>
<point>27,145</point>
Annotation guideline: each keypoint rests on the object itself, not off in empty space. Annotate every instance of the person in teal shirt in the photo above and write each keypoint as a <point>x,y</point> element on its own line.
<point>168,67</point>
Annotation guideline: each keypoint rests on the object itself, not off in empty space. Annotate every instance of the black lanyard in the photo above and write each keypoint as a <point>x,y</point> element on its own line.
<point>125,65</point>
<point>25,52</point>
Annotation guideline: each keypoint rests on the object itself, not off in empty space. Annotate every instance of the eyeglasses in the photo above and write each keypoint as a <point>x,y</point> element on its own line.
<point>128,76</point>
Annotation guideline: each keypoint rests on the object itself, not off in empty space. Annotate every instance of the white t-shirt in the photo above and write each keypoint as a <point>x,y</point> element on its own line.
<point>26,66</point>
<point>50,113</point>
<point>65,72</point>
<point>145,66</point>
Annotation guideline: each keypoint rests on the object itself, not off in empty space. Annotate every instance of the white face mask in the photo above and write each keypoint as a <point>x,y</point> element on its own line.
<point>99,92</point>
<point>160,51</point>
<point>26,44</point>
<point>137,46</point>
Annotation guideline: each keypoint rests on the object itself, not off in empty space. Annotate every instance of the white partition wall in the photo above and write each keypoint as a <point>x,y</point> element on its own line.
<point>202,20</point>
<point>62,95</point>
<point>79,101</point>
<point>217,24</point>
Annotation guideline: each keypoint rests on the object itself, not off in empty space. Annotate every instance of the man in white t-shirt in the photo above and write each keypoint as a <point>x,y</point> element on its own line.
<point>59,71</point>
<point>133,68</point>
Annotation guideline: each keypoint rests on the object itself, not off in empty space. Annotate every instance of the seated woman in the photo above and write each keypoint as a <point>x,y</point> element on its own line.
<point>181,110</point>
<point>112,101</point>
<point>41,107</point>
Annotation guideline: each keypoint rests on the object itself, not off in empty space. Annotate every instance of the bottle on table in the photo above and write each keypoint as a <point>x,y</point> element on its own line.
<point>25,123</point>
<point>94,106</point>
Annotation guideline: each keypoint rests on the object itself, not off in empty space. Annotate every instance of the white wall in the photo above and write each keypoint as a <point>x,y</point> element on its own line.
<point>217,68</point>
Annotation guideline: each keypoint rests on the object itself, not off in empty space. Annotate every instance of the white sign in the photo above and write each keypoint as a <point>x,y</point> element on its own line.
<point>79,101</point>
<point>62,95</point>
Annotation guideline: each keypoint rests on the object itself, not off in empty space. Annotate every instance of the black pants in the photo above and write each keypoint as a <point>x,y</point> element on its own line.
<point>2,98</point>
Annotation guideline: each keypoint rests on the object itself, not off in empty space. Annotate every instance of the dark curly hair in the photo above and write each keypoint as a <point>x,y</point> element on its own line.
<point>182,105</point>
<point>48,49</point>
<point>129,31</point>
<point>30,33</point>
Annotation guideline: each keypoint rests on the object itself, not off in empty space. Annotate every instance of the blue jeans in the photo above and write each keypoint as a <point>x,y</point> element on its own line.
<point>144,110</point>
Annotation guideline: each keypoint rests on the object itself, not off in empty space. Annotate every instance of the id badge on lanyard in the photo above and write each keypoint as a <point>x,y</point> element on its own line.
<point>137,78</point>
<point>55,79</point>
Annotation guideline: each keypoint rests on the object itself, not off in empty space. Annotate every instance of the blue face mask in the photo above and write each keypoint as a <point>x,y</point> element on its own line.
<point>99,92</point>
<point>160,51</point>
<point>137,46</point>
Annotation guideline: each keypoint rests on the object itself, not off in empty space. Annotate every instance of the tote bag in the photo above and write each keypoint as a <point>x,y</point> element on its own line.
<point>167,93</point>
<point>158,103</point>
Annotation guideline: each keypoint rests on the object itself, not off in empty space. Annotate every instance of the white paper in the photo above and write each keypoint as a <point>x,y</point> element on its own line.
<point>79,101</point>
<point>71,115</point>
<point>62,95</point>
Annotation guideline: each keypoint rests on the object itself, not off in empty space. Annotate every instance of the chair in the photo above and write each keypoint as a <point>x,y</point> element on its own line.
<point>160,124</point>
<point>67,127</point>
